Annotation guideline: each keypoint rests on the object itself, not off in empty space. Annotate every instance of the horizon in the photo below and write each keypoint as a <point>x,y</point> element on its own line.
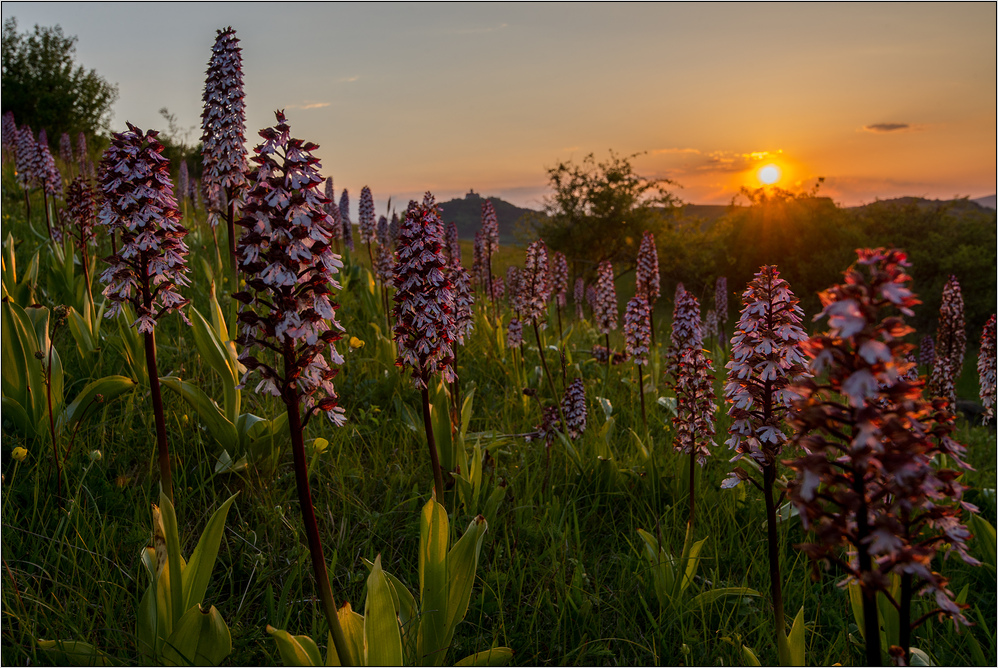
<point>882,100</point>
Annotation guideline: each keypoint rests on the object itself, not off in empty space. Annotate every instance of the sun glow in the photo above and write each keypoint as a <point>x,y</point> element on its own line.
<point>769,174</point>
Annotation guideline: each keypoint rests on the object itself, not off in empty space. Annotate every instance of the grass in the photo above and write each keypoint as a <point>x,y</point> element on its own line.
<point>561,580</point>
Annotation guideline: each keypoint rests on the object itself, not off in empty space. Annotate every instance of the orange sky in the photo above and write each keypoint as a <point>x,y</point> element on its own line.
<point>882,100</point>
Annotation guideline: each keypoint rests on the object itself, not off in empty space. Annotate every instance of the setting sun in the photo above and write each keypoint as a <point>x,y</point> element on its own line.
<point>769,174</point>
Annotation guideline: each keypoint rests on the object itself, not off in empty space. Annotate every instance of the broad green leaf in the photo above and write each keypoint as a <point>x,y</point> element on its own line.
<point>74,653</point>
<point>692,562</point>
<point>211,347</point>
<point>209,412</point>
<point>466,411</point>
<point>433,534</point>
<point>295,650</point>
<point>108,387</point>
<point>984,538</point>
<point>921,658</point>
<point>711,595</point>
<point>497,656</point>
<point>382,640</point>
<point>14,357</point>
<point>352,625</point>
<point>202,562</point>
<point>462,562</point>
<point>795,640</point>
<point>750,658</point>
<point>440,419</point>
<point>856,603</point>
<point>200,638</point>
<point>14,412</point>
<point>176,571</point>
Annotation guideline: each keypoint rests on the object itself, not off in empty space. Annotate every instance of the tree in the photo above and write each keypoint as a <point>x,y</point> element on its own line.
<point>600,210</point>
<point>44,88</point>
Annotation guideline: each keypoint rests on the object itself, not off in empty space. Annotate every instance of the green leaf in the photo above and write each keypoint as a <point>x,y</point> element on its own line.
<point>433,533</point>
<point>750,658</point>
<point>984,538</point>
<point>497,656</point>
<point>200,638</point>
<point>14,412</point>
<point>466,411</point>
<point>74,653</point>
<point>856,603</point>
<point>440,419</point>
<point>462,562</point>
<point>795,640</point>
<point>176,571</point>
<point>209,412</point>
<point>382,640</point>
<point>711,595</point>
<point>109,387</point>
<point>295,650</point>
<point>921,658</point>
<point>352,625</point>
<point>202,562</point>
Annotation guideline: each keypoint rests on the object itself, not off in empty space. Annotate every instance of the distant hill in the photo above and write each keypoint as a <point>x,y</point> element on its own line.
<point>467,213</point>
<point>989,202</point>
<point>959,206</point>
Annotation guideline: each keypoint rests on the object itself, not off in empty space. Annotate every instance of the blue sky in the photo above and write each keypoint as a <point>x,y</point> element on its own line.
<point>882,100</point>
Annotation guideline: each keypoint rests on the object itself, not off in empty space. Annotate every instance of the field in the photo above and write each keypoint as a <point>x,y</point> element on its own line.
<point>562,576</point>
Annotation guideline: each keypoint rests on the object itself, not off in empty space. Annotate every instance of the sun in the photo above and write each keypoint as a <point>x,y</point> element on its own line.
<point>770,174</point>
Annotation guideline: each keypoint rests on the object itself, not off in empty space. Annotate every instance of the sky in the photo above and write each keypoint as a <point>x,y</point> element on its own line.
<point>881,100</point>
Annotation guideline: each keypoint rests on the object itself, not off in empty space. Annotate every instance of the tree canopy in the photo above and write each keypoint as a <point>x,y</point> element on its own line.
<point>44,87</point>
<point>599,210</point>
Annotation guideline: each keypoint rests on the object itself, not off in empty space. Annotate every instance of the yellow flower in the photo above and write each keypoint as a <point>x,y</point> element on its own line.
<point>356,343</point>
<point>19,454</point>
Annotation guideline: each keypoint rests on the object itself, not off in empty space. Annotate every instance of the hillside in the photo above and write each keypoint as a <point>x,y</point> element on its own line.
<point>467,213</point>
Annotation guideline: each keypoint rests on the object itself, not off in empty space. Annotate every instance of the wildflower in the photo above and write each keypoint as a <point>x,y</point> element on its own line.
<point>573,405</point>
<point>152,260</point>
<point>151,263</point>
<point>424,310</point>
<point>637,329</point>
<point>383,258</point>
<point>490,230</point>
<point>498,287</point>
<point>766,361</point>
<point>223,130</point>
<point>19,453</point>
<point>345,220</point>
<point>365,217</point>
<point>721,300</point>
<point>986,368</point>
<point>8,132</point>
<point>686,331</point>
<point>393,229</point>
<point>927,352</point>
<point>86,167</point>
<point>96,455</point>
<point>513,288</point>
<point>710,325</point>
<point>514,333</point>
<point>331,208</point>
<point>285,252</point>
<point>695,405</point>
<point>951,343</point>
<point>27,160</point>
<point>479,266</point>
<point>872,453</point>
<point>605,303</point>
<point>66,148</point>
<point>48,172</point>
<point>356,343</point>
<point>535,284</point>
<point>464,302</point>
<point>647,268</point>
<point>424,301</point>
<point>453,245</point>
<point>579,295</point>
<point>81,206</point>
<point>559,275</point>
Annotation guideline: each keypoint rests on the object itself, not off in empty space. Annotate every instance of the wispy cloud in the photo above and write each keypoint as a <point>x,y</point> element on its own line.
<point>695,161</point>
<point>348,79</point>
<point>309,105</point>
<point>881,128</point>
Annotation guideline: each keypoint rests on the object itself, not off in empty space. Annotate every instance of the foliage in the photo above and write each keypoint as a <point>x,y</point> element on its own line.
<point>44,87</point>
<point>600,210</point>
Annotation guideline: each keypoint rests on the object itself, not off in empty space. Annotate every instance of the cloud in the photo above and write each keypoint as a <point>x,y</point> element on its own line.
<point>309,105</point>
<point>881,128</point>
<point>348,79</point>
<point>673,151</point>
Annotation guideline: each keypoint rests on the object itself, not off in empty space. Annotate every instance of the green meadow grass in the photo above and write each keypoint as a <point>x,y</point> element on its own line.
<point>561,579</point>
